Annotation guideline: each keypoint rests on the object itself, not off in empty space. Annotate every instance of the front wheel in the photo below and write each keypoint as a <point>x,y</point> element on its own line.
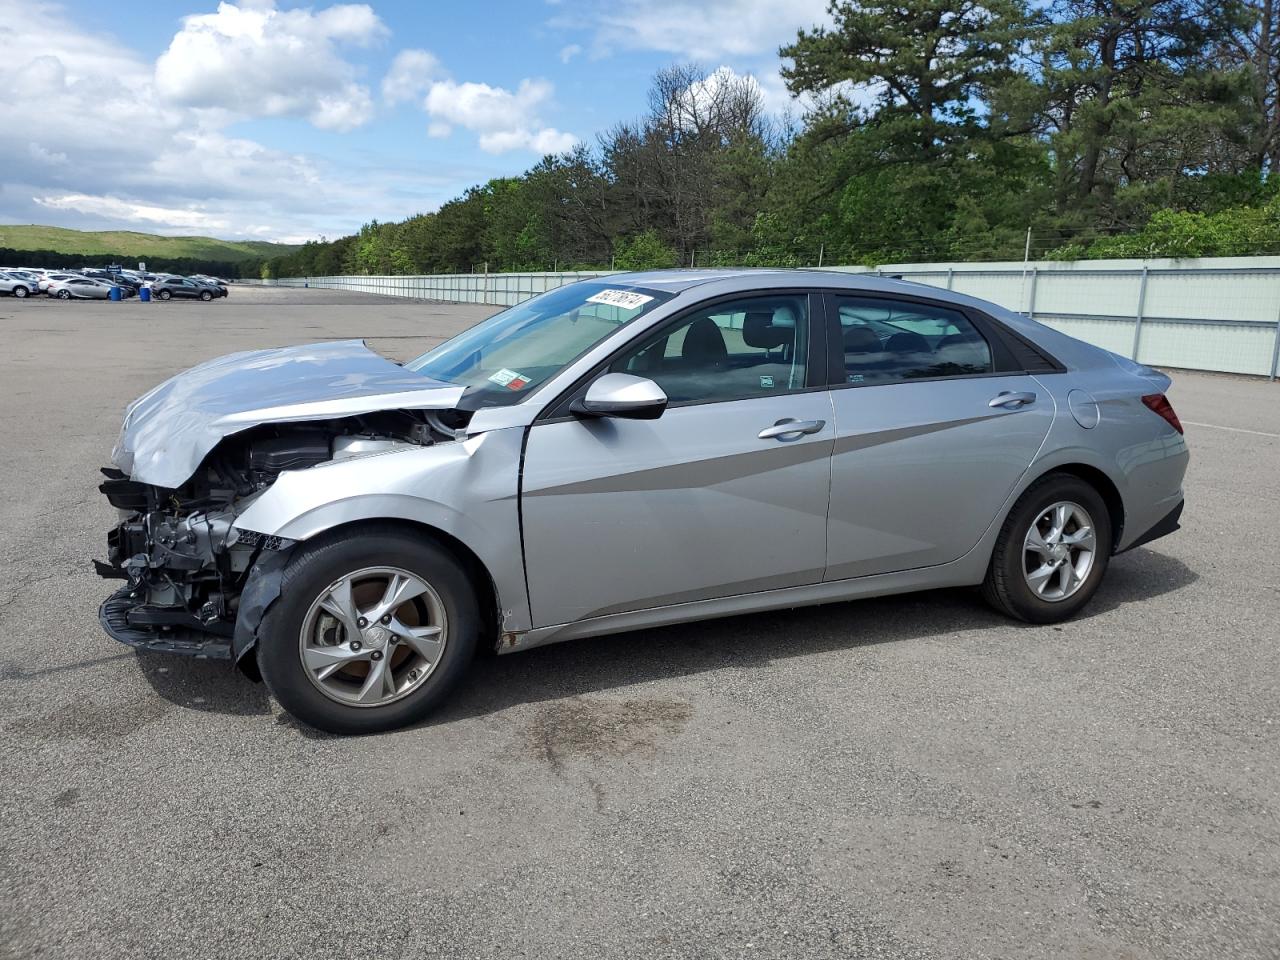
<point>1052,551</point>
<point>206,295</point>
<point>164,294</point>
<point>371,632</point>
<point>20,292</point>
<point>64,294</point>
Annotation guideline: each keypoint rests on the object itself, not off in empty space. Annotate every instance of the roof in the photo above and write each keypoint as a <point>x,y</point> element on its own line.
<point>675,281</point>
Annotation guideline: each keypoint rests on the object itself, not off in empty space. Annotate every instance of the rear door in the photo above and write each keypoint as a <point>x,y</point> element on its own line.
<point>935,424</point>
<point>712,499</point>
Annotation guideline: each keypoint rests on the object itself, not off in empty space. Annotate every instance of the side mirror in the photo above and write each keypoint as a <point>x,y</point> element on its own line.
<point>621,395</point>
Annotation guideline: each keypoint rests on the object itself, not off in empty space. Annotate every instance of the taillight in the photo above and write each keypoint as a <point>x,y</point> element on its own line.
<point>1159,404</point>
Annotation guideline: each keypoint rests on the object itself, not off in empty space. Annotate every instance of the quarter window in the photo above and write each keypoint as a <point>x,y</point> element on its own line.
<point>886,341</point>
<point>743,348</point>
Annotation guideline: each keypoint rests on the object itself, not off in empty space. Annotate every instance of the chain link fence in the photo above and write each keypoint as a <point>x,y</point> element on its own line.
<point>1220,314</point>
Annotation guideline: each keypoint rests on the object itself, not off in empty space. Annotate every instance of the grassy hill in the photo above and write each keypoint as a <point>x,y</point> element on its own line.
<point>136,246</point>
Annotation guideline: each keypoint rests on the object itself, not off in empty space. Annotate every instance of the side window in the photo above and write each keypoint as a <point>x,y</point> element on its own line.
<point>887,341</point>
<point>752,347</point>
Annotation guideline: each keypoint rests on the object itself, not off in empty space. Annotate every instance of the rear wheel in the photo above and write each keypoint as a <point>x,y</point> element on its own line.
<point>1052,551</point>
<point>371,632</point>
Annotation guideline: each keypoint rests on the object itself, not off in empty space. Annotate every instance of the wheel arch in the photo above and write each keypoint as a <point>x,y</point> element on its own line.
<point>1105,486</point>
<point>477,572</point>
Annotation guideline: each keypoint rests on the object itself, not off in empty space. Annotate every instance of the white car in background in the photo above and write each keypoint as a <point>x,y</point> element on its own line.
<point>16,285</point>
<point>47,279</point>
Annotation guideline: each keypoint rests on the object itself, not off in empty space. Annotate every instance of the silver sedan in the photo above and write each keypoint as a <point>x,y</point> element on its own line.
<point>613,455</point>
<point>78,288</point>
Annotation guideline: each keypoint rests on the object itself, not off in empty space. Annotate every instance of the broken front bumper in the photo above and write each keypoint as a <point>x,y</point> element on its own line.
<point>128,619</point>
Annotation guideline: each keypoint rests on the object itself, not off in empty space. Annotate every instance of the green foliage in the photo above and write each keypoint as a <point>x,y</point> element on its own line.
<point>1169,233</point>
<point>644,251</point>
<point>932,131</point>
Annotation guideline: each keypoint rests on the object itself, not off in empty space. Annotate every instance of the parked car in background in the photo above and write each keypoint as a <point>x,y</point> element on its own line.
<point>50,277</point>
<point>217,286</point>
<point>79,288</point>
<point>182,288</point>
<point>16,286</point>
<point>615,455</point>
<point>127,285</point>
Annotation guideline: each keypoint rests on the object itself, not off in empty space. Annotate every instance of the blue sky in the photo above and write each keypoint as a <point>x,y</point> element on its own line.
<point>282,120</point>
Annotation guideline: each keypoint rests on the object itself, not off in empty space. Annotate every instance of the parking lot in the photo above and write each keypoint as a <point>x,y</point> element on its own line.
<point>907,777</point>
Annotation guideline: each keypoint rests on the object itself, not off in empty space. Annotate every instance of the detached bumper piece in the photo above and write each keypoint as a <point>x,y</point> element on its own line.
<point>126,619</point>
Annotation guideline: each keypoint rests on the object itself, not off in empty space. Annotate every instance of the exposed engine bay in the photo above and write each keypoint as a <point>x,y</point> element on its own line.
<point>187,566</point>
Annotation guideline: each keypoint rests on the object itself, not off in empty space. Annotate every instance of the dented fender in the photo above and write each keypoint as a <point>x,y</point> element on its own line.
<point>467,489</point>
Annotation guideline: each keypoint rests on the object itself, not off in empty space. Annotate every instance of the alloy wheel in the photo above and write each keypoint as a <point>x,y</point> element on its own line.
<point>373,636</point>
<point>1058,551</point>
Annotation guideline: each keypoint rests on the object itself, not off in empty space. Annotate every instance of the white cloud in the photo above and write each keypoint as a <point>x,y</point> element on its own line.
<point>255,60</point>
<point>117,209</point>
<point>695,29</point>
<point>567,53</point>
<point>86,141</point>
<point>410,75</point>
<point>505,120</point>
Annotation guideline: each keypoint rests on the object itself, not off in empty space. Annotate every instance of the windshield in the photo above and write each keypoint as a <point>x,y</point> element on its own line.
<point>505,358</point>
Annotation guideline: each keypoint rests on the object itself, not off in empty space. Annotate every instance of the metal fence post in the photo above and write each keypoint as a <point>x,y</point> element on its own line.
<point>1137,320</point>
<point>1031,298</point>
<point>1275,352</point>
<point>951,275</point>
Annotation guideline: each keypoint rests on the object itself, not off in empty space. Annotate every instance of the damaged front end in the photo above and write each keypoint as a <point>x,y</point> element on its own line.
<point>196,583</point>
<point>198,450</point>
<point>184,564</point>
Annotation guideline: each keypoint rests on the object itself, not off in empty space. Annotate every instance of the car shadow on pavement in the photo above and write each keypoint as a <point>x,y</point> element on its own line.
<point>215,686</point>
<point>596,664</point>
<point>591,665</point>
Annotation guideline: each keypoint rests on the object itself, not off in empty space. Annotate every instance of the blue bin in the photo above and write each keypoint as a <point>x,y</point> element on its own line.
<point>116,293</point>
<point>144,294</point>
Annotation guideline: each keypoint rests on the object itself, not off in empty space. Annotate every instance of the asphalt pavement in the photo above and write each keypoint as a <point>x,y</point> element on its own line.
<point>907,777</point>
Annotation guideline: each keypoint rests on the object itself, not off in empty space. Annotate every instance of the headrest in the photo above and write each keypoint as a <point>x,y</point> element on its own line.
<point>907,342</point>
<point>759,330</point>
<point>704,341</point>
<point>861,340</point>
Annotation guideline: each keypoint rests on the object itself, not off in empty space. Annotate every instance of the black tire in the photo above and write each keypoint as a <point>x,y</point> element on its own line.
<point>307,577</point>
<point>1006,587</point>
<point>206,296</point>
<point>64,294</point>
<point>20,292</point>
<point>164,294</point>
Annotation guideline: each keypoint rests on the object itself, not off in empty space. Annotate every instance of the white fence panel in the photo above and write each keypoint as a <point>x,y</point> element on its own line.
<point>1218,314</point>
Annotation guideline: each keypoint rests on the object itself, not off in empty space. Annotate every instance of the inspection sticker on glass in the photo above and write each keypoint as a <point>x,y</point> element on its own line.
<point>626,299</point>
<point>510,379</point>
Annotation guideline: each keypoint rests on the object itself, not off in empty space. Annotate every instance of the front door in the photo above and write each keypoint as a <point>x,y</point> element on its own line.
<point>710,500</point>
<point>933,430</point>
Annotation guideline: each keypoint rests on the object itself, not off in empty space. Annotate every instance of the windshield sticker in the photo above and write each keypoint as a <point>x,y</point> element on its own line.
<point>627,299</point>
<point>510,379</point>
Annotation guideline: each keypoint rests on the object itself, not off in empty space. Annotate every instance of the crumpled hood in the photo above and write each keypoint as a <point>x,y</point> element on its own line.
<point>168,431</point>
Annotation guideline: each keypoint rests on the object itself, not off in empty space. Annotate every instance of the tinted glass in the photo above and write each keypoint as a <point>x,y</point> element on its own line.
<point>888,340</point>
<point>744,348</point>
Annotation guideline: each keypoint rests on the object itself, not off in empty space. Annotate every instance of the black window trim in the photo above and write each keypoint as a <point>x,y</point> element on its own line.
<point>815,376</point>
<point>993,331</point>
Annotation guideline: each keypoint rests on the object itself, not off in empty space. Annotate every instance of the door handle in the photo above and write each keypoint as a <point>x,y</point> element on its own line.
<point>1011,400</point>
<point>789,426</point>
